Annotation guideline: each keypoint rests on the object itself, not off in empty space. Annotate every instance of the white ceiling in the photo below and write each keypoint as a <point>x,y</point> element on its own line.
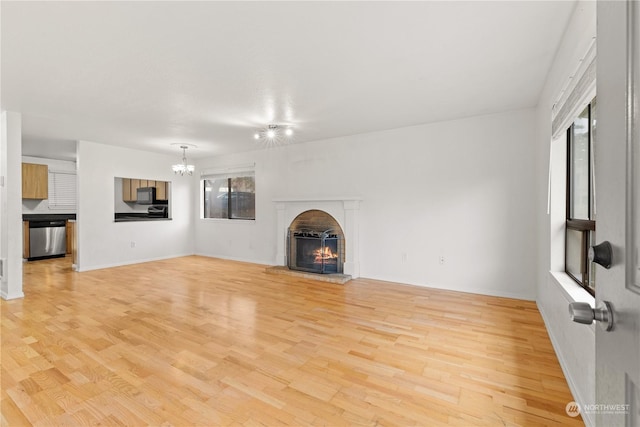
<point>150,74</point>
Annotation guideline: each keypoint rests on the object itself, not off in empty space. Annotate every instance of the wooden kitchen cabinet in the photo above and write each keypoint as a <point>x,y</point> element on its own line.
<point>26,250</point>
<point>161,190</point>
<point>130,188</point>
<point>35,181</point>
<point>135,184</point>
<point>70,236</point>
<point>126,190</point>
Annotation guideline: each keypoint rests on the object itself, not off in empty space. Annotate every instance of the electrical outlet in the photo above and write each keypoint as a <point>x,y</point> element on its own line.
<point>441,259</point>
<point>404,257</point>
<point>1,267</point>
<point>133,244</point>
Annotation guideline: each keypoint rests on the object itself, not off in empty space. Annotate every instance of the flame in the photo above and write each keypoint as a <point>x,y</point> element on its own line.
<point>324,254</point>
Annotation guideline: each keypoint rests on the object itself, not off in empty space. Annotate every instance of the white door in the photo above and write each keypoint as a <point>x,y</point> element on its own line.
<point>617,176</point>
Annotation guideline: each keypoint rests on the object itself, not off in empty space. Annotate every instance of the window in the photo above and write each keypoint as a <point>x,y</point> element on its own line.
<point>230,197</point>
<point>581,221</point>
<point>62,190</point>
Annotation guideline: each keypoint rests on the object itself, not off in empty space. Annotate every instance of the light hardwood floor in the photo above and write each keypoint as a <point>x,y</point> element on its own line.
<point>201,341</point>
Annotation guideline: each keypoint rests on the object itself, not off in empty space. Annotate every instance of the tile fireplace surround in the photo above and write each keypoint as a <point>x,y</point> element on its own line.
<point>345,210</point>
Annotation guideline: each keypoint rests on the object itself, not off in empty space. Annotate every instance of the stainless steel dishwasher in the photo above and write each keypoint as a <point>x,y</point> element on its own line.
<point>47,239</point>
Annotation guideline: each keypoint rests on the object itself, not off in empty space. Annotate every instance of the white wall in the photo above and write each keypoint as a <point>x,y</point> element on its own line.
<point>10,213</point>
<point>105,243</point>
<point>460,189</point>
<point>42,206</point>
<point>574,344</point>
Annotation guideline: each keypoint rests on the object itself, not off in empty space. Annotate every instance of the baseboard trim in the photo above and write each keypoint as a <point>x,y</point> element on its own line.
<point>579,399</point>
<point>487,292</point>
<point>9,296</point>
<point>239,259</point>
<point>81,269</point>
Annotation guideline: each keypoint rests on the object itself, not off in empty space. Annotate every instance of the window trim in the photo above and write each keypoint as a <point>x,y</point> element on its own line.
<point>581,224</point>
<point>583,261</point>
<point>584,226</point>
<point>228,177</point>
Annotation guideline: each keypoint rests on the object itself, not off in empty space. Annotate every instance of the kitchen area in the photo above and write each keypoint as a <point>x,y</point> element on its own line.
<point>48,208</point>
<point>137,199</point>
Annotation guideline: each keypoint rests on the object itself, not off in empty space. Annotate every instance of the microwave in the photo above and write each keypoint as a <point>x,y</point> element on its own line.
<point>146,195</point>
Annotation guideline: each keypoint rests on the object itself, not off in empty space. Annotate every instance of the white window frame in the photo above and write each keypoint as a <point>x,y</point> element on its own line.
<point>225,173</point>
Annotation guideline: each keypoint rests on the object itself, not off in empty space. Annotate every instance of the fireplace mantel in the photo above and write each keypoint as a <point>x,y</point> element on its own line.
<point>346,210</point>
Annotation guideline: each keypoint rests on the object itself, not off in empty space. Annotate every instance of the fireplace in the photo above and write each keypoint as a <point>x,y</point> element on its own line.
<point>345,221</point>
<point>315,243</point>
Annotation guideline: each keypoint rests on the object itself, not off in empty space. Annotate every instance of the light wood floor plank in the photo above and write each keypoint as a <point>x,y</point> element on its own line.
<point>202,341</point>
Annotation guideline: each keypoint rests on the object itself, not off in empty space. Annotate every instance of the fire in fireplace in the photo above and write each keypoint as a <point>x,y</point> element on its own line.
<point>315,243</point>
<point>316,252</point>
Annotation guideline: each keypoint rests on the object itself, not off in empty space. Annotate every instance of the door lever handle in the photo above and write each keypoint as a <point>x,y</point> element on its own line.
<point>581,312</point>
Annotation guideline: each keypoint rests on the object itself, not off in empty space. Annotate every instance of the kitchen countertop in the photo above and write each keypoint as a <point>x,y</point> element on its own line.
<point>48,217</point>
<point>140,219</point>
<point>135,216</point>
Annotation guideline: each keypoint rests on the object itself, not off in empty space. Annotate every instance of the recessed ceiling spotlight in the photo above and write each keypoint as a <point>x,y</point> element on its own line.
<point>288,132</point>
<point>271,133</point>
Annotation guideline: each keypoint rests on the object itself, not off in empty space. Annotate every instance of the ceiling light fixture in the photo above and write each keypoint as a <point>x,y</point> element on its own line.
<point>274,133</point>
<point>183,168</point>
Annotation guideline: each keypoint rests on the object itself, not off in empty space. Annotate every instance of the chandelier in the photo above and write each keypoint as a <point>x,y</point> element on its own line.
<point>183,168</point>
<point>274,133</point>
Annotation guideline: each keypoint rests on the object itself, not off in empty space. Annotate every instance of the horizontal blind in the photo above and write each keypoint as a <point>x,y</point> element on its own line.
<point>62,190</point>
<point>229,172</point>
<point>579,91</point>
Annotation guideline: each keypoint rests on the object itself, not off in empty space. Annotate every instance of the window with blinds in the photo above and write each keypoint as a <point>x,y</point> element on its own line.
<point>62,190</point>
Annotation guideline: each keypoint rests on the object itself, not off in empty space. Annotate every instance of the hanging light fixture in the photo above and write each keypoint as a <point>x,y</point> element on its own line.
<point>183,168</point>
<point>274,133</point>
